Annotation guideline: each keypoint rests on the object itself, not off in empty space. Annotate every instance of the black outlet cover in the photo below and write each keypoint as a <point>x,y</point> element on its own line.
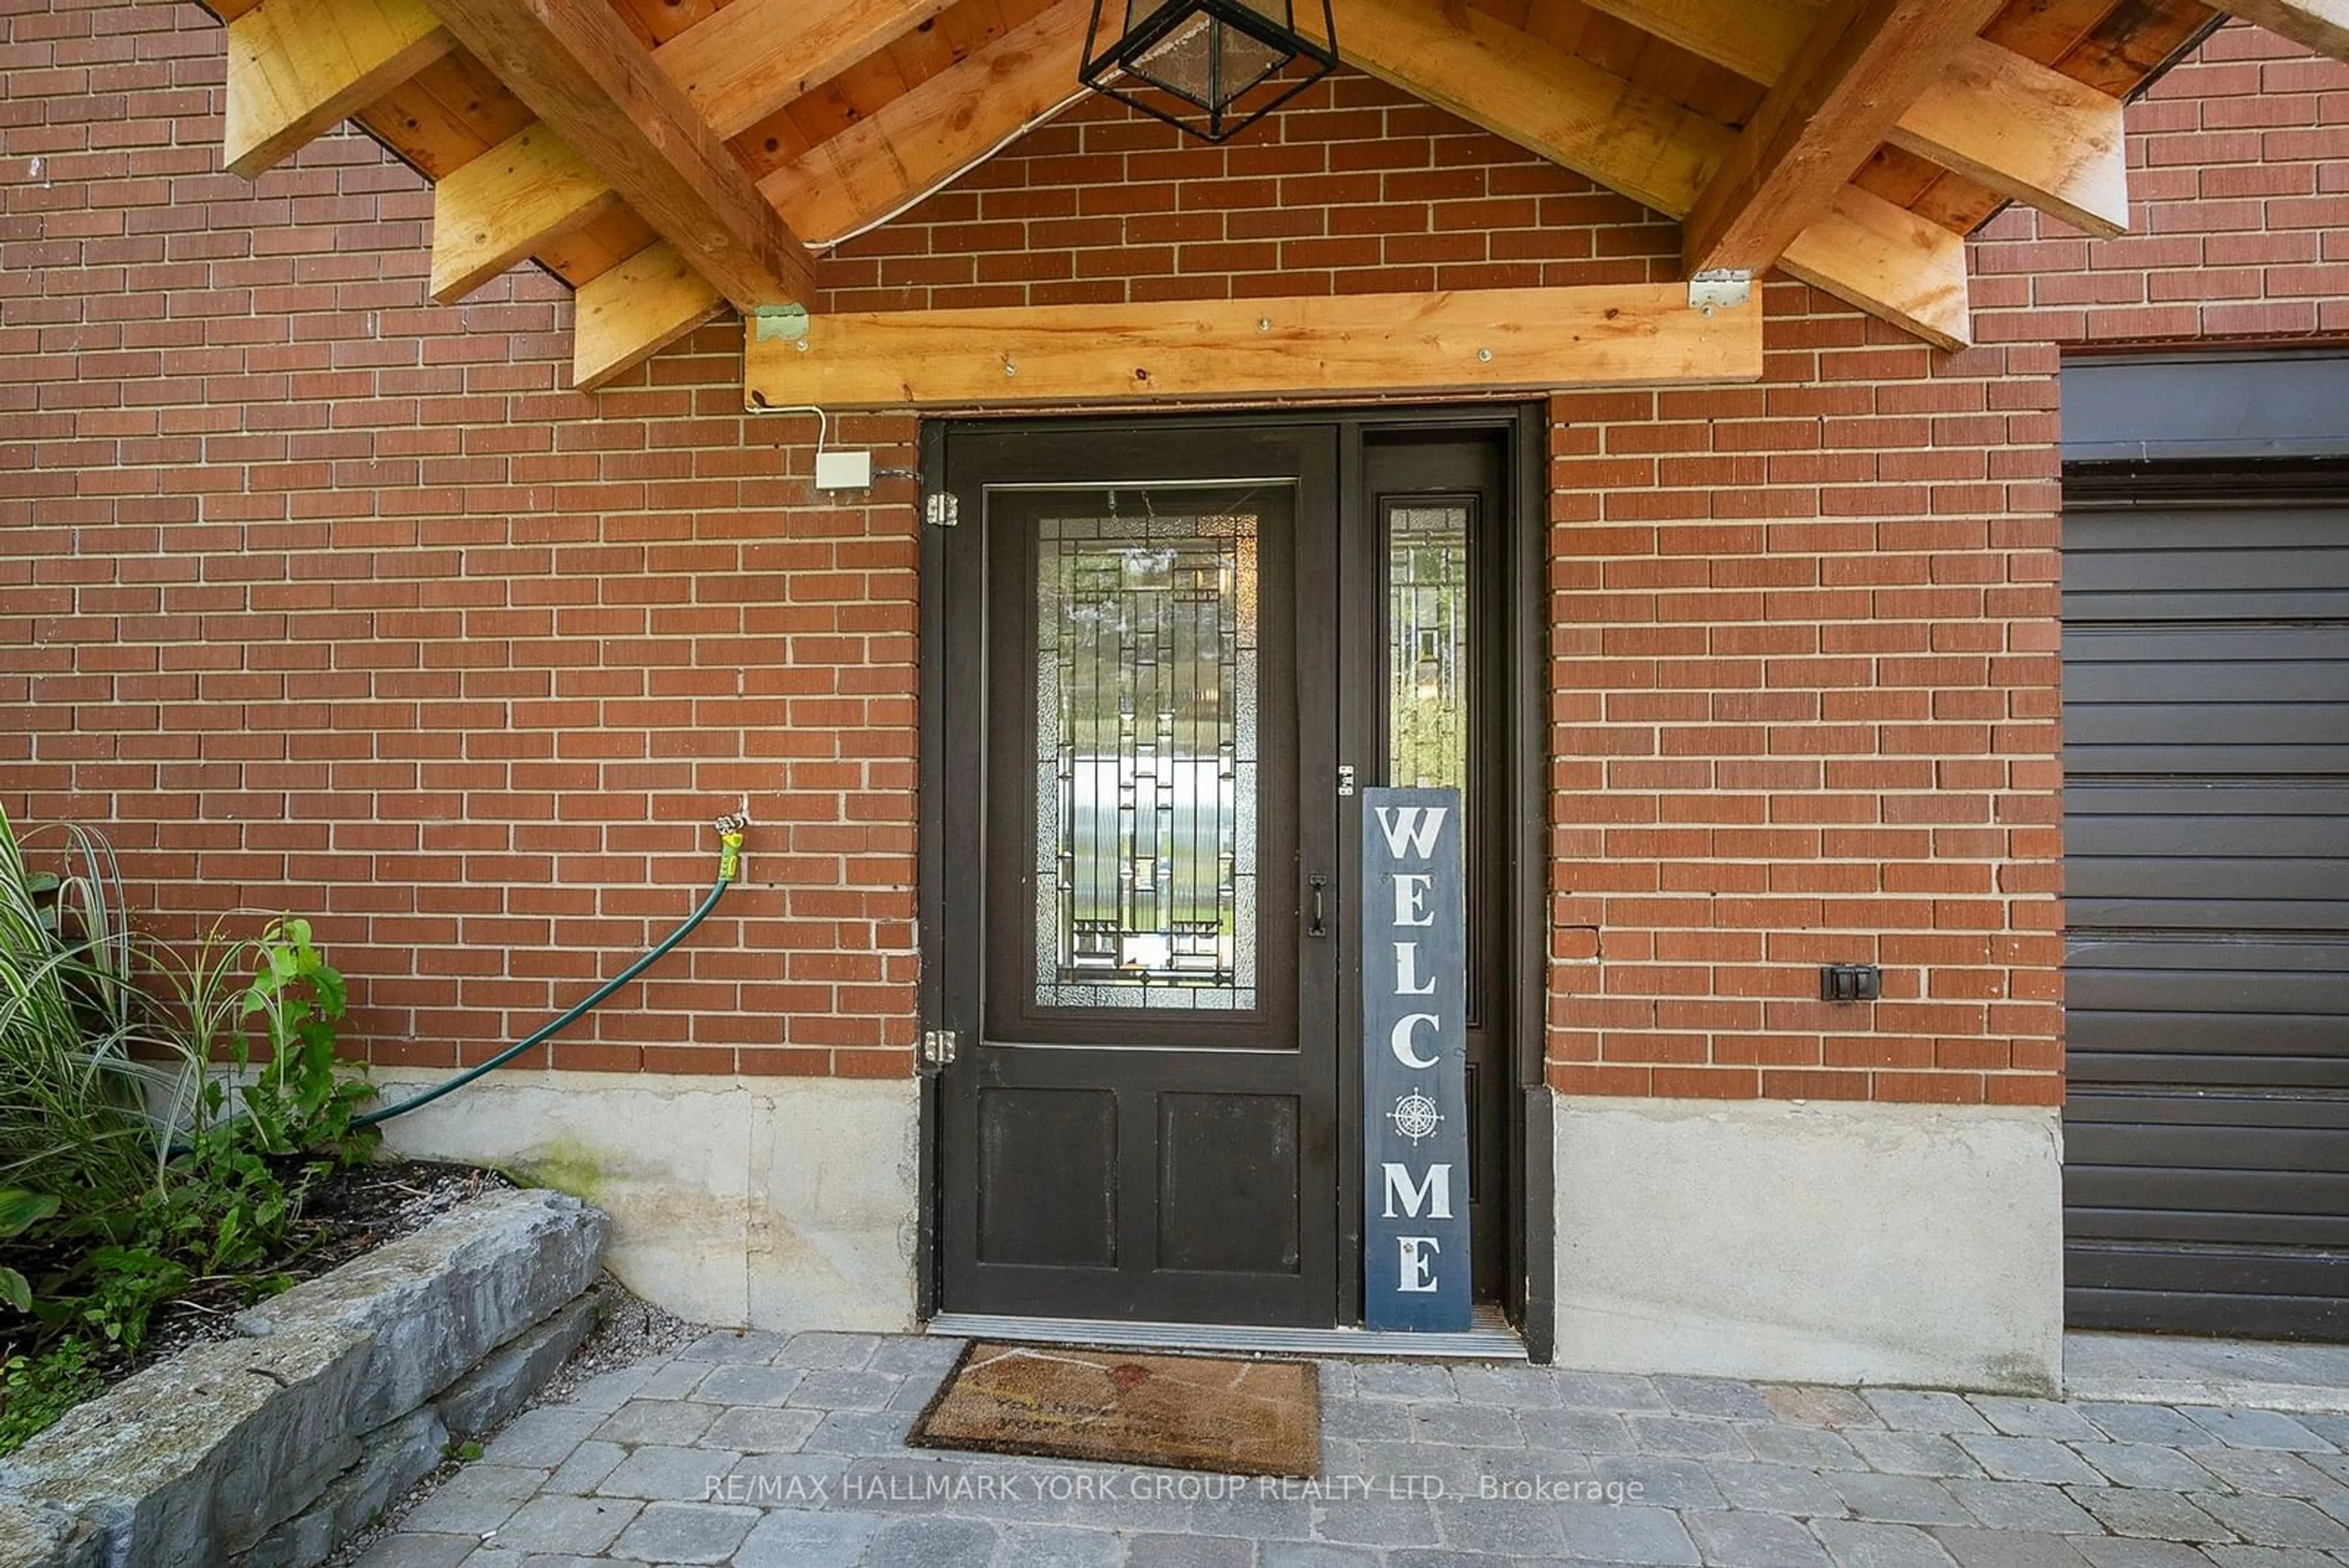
<point>1850,983</point>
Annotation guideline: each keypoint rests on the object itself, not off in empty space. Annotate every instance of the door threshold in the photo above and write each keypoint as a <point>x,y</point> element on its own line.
<point>1489,1337</point>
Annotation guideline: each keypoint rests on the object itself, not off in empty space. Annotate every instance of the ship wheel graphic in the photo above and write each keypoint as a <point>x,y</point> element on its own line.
<point>1414,1116</point>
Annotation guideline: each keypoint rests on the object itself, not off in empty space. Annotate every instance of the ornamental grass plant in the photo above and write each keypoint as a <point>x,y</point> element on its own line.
<point>163,1115</point>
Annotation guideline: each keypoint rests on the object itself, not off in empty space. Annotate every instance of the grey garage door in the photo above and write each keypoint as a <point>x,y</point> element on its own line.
<point>2206,713</point>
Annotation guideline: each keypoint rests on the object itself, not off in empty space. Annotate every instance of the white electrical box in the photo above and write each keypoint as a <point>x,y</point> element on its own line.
<point>844,470</point>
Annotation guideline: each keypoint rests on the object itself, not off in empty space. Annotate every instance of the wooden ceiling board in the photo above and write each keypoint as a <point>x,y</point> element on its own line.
<point>2045,30</point>
<point>1900,178</point>
<point>1615,47</point>
<point>881,77</point>
<point>971,27</point>
<point>1721,94</point>
<point>446,114</point>
<point>2132,42</point>
<point>1669,72</point>
<point>1560,25</point>
<point>1957,203</point>
<point>594,249</point>
<point>773,142</point>
<point>1925,188</point>
<point>866,87</point>
<point>472,95</point>
<point>1545,22</point>
<point>823,113</point>
<point>921,53</point>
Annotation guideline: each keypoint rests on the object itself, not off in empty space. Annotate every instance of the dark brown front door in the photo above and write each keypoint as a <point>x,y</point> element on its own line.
<point>1165,658</point>
<point>1143,1124</point>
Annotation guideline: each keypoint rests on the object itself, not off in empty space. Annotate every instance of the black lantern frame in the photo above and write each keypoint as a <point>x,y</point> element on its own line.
<point>1225,107</point>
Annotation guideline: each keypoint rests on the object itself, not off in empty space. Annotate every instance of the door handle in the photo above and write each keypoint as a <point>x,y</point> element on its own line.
<point>1314,925</point>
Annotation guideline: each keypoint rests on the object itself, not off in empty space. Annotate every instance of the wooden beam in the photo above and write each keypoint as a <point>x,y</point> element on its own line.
<point>1567,110</point>
<point>1863,65</point>
<point>2029,134</point>
<point>295,68</point>
<point>489,213</point>
<point>1888,262</point>
<point>1483,341</point>
<point>922,139</point>
<point>1538,95</point>
<point>583,72</point>
<point>622,317</point>
<point>737,67</point>
<point>754,56</point>
<point>2321,24</point>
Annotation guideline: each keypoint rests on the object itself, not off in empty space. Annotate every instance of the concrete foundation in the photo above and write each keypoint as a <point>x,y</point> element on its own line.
<point>778,1203</point>
<point>1822,1241</point>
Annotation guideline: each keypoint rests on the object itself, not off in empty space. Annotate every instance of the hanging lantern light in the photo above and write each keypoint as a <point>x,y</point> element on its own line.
<point>1212,67</point>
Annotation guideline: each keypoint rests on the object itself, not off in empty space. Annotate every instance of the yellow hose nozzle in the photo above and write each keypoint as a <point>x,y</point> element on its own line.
<point>730,839</point>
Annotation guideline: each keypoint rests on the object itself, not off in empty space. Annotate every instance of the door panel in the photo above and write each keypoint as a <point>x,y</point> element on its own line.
<point>1048,1177</point>
<point>1142,1123</point>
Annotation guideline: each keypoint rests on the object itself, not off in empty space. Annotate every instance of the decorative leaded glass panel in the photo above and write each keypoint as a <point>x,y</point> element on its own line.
<point>1427,619</point>
<point>1146,762</point>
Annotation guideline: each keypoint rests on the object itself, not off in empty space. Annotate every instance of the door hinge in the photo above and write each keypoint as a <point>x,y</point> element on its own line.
<point>940,1047</point>
<point>942,510</point>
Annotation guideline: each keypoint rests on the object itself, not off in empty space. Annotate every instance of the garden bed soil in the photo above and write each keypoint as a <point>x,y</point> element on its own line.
<point>344,1213</point>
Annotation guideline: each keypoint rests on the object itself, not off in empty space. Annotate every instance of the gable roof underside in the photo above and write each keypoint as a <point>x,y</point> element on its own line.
<point>666,157</point>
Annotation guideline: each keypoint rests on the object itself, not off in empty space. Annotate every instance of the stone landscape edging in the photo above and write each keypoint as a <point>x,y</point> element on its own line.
<point>269,1449</point>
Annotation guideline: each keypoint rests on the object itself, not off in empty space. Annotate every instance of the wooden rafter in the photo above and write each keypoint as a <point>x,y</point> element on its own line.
<point>2017,127</point>
<point>1862,65</point>
<point>2321,24</point>
<point>507,204</point>
<point>298,67</point>
<point>737,67</point>
<point>622,317</point>
<point>2027,132</point>
<point>1888,262</point>
<point>1492,339</point>
<point>924,138</point>
<point>1864,250</point>
<point>584,74</point>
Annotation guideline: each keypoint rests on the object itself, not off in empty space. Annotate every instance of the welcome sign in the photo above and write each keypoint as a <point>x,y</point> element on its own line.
<point>1414,1064</point>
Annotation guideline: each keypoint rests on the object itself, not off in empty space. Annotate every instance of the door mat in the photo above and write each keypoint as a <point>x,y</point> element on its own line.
<point>1178,1412</point>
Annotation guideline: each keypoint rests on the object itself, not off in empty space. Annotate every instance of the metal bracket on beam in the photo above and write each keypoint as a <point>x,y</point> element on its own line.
<point>786,322</point>
<point>1720,288</point>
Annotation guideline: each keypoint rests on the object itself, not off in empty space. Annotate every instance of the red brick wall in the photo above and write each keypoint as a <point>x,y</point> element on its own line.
<point>1804,705</point>
<point>1806,657</point>
<point>320,598</point>
<point>326,599</point>
<point>1355,188</point>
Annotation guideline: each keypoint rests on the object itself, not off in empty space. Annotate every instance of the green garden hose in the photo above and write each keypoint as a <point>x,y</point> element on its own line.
<point>730,866</point>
